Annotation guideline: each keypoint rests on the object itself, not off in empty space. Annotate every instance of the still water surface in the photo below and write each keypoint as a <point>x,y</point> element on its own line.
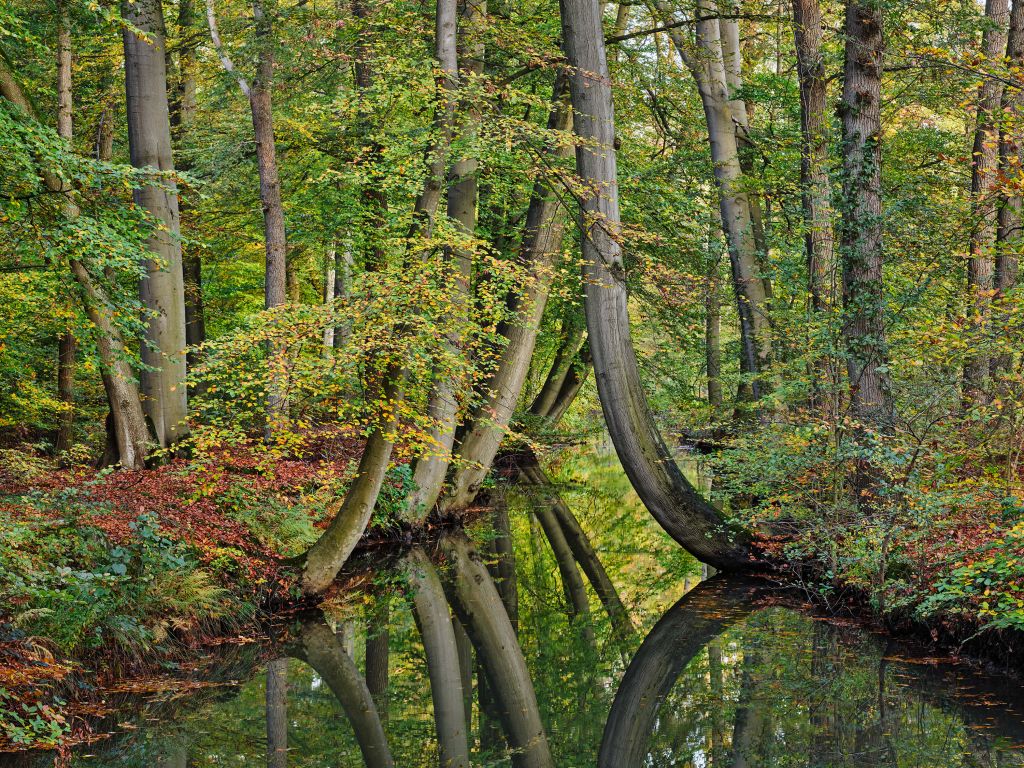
<point>689,672</point>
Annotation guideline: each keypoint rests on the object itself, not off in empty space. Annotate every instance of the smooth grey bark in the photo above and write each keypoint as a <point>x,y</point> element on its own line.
<point>502,565</point>
<point>573,382</point>
<point>573,334</point>
<point>162,290</point>
<point>329,553</point>
<point>319,647</point>
<point>127,420</point>
<point>542,238</point>
<point>675,504</point>
<point>343,268</point>
<point>277,713</point>
<point>446,84</point>
<point>442,652</point>
<point>699,617</point>
<point>67,345</point>
<point>328,293</point>
<point>476,602</point>
<point>861,221</point>
<point>984,181</point>
<point>713,319</point>
<point>443,404</point>
<point>1009,233</point>
<point>724,115</point>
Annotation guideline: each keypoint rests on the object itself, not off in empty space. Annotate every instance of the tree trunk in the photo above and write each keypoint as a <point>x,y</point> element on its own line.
<point>1009,235</point>
<point>277,713</point>
<point>441,648</point>
<point>128,422</point>
<point>572,339</point>
<point>573,382</point>
<point>677,506</point>
<point>984,181</point>
<point>328,293</point>
<point>183,109</point>
<point>724,116</point>
<point>67,345</point>
<point>162,290</point>
<point>713,321</point>
<point>321,650</point>
<point>502,564</point>
<point>542,238</point>
<point>342,292</point>
<point>443,406</point>
<point>476,601</point>
<point>861,223</point>
<point>465,648</point>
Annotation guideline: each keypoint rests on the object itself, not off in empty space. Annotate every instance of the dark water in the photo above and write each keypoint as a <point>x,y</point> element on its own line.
<point>714,673</point>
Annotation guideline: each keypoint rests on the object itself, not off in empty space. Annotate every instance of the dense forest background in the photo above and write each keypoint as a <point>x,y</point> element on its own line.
<point>350,229</point>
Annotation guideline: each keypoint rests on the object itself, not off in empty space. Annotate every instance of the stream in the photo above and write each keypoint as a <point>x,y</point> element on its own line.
<point>671,668</point>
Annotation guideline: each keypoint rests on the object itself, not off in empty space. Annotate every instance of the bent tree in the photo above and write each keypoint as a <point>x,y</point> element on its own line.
<point>673,501</point>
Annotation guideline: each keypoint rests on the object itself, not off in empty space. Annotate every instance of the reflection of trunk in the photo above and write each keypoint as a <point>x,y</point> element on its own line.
<point>1009,235</point>
<point>542,239</point>
<point>321,650</point>
<point>127,421</point>
<point>984,166</point>
<point>861,225</point>
<point>66,343</point>
<point>572,340</point>
<point>277,713</point>
<point>582,550</point>
<point>699,617</point>
<point>440,646</point>
<point>465,651</point>
<point>823,747</point>
<point>503,566</point>
<point>718,749</point>
<point>476,600</point>
<point>377,652</point>
<point>677,506</point>
<point>162,290</point>
<point>329,553</point>
<point>749,722</point>
<point>577,602</point>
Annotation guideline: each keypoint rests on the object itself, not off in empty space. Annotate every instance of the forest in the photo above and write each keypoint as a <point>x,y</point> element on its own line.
<point>496,327</point>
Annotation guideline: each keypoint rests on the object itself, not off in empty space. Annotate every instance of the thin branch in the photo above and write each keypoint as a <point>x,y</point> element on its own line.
<point>685,22</point>
<point>225,60</point>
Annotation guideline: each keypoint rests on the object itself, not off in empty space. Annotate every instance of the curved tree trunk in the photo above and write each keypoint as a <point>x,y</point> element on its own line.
<point>675,504</point>
<point>542,238</point>
<point>698,618</point>
<point>572,341</point>
<point>476,601</point>
<point>441,648</point>
<point>573,382</point>
<point>162,290</point>
<point>129,429</point>
<point>319,647</point>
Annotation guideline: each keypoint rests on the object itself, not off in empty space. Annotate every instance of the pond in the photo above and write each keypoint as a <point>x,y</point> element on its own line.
<point>582,637</point>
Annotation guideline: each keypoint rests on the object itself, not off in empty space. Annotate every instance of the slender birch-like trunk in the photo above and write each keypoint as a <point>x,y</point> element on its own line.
<point>162,290</point>
<point>675,504</point>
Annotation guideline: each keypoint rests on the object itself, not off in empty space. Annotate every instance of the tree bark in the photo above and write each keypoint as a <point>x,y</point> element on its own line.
<point>377,654</point>
<point>815,187</point>
<point>162,290</point>
<point>984,181</point>
<point>476,601</point>
<point>573,382</point>
<point>713,320</point>
<point>861,221</point>
<point>502,566</point>
<point>342,292</point>
<point>67,345</point>
<point>443,405</point>
<point>441,648</point>
<point>277,713</point>
<point>542,238</point>
<point>675,504</point>
<point>573,334</point>
<point>724,115</point>
<point>1009,234</point>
